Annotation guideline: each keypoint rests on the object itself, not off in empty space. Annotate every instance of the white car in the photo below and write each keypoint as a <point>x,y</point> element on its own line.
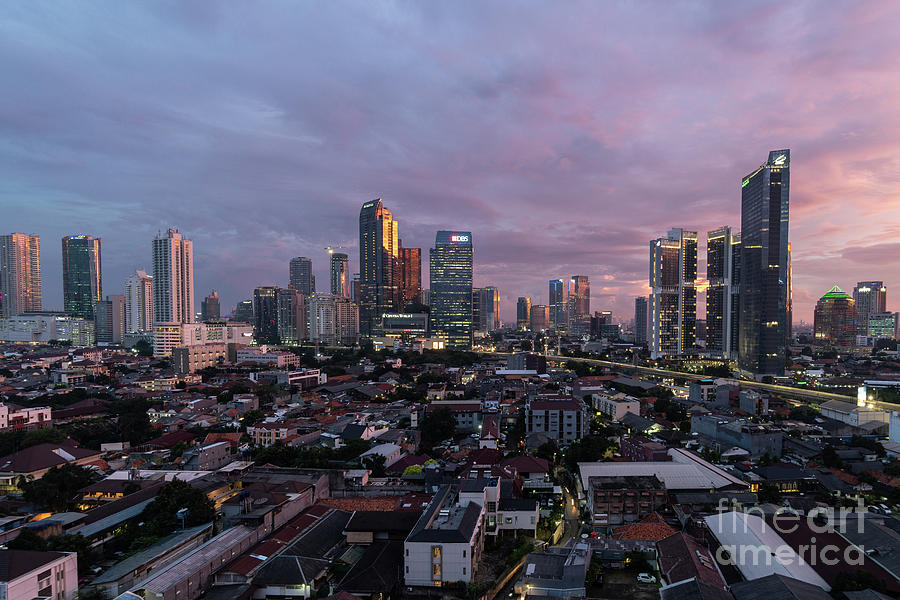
<point>646,578</point>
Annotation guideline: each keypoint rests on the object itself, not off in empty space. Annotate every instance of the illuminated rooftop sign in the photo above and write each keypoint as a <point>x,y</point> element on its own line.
<point>456,238</point>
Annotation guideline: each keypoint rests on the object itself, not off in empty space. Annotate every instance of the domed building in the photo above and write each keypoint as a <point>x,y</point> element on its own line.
<point>835,320</point>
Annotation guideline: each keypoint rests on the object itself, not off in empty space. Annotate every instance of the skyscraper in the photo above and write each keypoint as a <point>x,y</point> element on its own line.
<point>523,312</point>
<point>870,298</point>
<point>673,299</point>
<point>640,320</point>
<point>340,274</point>
<point>243,312</point>
<point>410,275</point>
<point>301,276</point>
<point>559,293</point>
<point>765,197</point>
<point>265,315</point>
<point>20,274</point>
<point>173,278</point>
<point>486,308</point>
<point>540,317</point>
<point>82,281</point>
<point>333,320</point>
<point>722,300</point>
<point>834,320</point>
<point>210,309</point>
<point>451,288</point>
<point>581,288</point>
<point>379,265</point>
<point>291,317</point>
<point>109,321</point>
<point>139,302</point>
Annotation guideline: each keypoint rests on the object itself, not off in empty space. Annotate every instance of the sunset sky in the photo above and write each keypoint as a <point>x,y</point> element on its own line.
<point>564,135</point>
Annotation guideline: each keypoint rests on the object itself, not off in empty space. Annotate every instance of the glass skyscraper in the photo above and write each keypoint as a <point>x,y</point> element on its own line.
<point>560,291</point>
<point>722,299</point>
<point>764,267</point>
<point>523,312</point>
<point>673,297</point>
<point>870,298</point>
<point>451,288</point>
<point>301,276</point>
<point>379,265</point>
<point>340,274</point>
<point>640,320</point>
<point>20,274</point>
<point>82,283</point>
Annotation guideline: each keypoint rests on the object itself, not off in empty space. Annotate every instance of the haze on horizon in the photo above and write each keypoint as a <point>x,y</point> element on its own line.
<point>564,136</point>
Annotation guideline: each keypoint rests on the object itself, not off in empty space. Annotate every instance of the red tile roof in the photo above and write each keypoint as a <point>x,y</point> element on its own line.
<point>651,528</point>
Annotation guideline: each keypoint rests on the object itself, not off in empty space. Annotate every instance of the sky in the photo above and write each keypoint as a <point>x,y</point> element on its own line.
<point>564,135</point>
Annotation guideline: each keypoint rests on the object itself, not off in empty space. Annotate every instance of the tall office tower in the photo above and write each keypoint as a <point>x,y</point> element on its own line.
<point>173,278</point>
<point>581,289</point>
<point>486,309</point>
<point>451,288</point>
<point>291,318</point>
<point>340,274</point>
<point>243,312</point>
<point>333,321</point>
<point>870,298</point>
<point>139,302</point>
<point>764,247</point>
<point>523,312</point>
<point>540,317</point>
<point>379,265</point>
<point>640,320</point>
<point>210,309</point>
<point>560,291</point>
<point>82,281</point>
<point>789,301</point>
<point>721,313</point>
<point>265,315</point>
<point>301,276</point>
<point>20,274</point>
<point>109,321</point>
<point>354,288</point>
<point>834,320</point>
<point>673,296</point>
<point>410,275</point>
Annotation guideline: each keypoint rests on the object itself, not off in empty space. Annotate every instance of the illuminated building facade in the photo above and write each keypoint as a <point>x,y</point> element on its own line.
<point>173,278</point>
<point>379,264</point>
<point>673,296</point>
<point>540,317</point>
<point>333,320</point>
<point>523,312</point>
<point>340,274</point>
<point>20,274</point>
<point>764,267</point>
<point>870,298</point>
<point>486,308</point>
<point>581,291</point>
<point>640,320</point>
<point>82,281</point>
<point>883,325</point>
<point>451,288</point>
<point>301,276</point>
<point>410,275</point>
<point>560,292</point>
<point>834,320</point>
<point>723,261</point>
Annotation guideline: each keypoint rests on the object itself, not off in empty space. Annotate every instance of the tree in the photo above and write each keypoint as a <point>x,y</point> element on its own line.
<point>57,488</point>
<point>590,448</point>
<point>160,517</point>
<point>769,494</point>
<point>375,463</point>
<point>412,470</point>
<point>851,581</point>
<point>437,426</point>
<point>143,348</point>
<point>252,417</point>
<point>830,458</point>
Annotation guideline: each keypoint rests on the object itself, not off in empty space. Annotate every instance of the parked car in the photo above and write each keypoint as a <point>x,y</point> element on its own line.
<point>646,578</point>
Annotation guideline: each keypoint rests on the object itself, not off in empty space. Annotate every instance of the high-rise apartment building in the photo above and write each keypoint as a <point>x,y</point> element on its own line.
<point>673,296</point>
<point>410,275</point>
<point>722,297</point>
<point>139,302</point>
<point>340,274</point>
<point>764,294</point>
<point>109,321</point>
<point>301,276</point>
<point>20,274</point>
<point>870,298</point>
<point>173,278</point>
<point>379,265</point>
<point>486,308</point>
<point>834,320</point>
<point>640,320</point>
<point>333,321</point>
<point>291,318</point>
<point>451,288</point>
<point>581,290</point>
<point>559,295</point>
<point>523,312</point>
<point>210,308</point>
<point>82,280</point>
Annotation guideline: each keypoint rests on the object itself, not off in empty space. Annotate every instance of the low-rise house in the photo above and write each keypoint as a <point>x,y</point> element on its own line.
<point>28,574</point>
<point>555,573</point>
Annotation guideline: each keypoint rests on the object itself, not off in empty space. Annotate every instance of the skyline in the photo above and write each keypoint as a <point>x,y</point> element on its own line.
<point>561,160</point>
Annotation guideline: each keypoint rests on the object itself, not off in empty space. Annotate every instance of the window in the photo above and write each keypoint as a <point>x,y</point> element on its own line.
<point>464,553</point>
<point>436,570</point>
<point>407,551</point>
<point>464,570</point>
<point>436,551</point>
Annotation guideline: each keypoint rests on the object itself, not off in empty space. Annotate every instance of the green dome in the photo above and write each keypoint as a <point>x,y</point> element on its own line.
<point>836,292</point>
